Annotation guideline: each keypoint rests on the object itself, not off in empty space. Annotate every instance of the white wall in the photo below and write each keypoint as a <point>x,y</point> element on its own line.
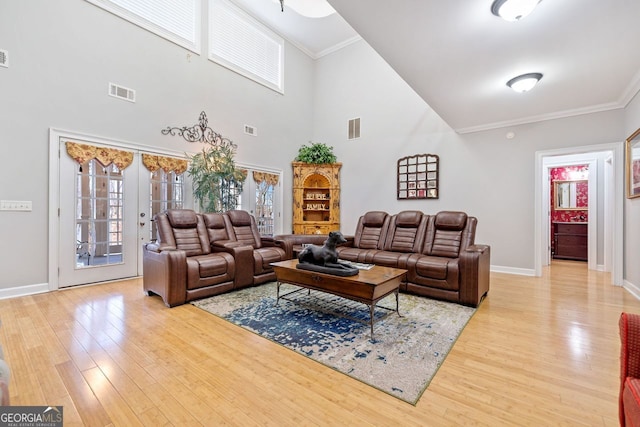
<point>483,173</point>
<point>63,54</point>
<point>632,211</point>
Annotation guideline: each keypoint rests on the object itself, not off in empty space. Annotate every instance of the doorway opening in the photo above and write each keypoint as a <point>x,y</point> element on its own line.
<point>604,211</point>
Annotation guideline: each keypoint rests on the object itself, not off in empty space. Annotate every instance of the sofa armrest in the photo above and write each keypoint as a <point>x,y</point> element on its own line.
<point>629,325</point>
<point>243,256</point>
<point>165,274</point>
<point>474,264</point>
<point>289,241</point>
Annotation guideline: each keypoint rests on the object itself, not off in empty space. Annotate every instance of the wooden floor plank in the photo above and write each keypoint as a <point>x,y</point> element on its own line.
<point>538,351</point>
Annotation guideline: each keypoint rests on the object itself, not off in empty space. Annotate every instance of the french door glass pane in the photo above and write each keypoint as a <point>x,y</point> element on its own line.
<point>99,215</point>
<point>264,208</point>
<point>167,192</point>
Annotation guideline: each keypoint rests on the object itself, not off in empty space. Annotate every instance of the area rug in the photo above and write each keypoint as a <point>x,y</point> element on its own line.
<point>401,359</point>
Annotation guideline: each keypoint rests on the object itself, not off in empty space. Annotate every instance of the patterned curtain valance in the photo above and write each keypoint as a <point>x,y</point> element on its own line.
<point>167,164</point>
<point>82,153</point>
<point>270,178</point>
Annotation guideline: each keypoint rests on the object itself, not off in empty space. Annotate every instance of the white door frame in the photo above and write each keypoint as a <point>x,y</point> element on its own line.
<point>54,189</point>
<point>541,195</point>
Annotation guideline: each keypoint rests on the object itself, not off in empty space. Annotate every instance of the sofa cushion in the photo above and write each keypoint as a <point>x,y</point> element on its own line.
<point>448,228</point>
<point>447,220</point>
<point>182,218</point>
<point>406,232</point>
<point>631,401</point>
<point>371,230</point>
<point>214,222</point>
<point>264,256</point>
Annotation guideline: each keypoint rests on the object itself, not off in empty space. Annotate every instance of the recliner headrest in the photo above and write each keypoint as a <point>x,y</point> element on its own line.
<point>182,218</point>
<point>408,218</point>
<point>213,220</point>
<point>374,218</point>
<point>448,220</point>
<point>239,217</point>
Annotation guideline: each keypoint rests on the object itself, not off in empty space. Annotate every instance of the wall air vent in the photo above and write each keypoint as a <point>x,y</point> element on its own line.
<point>250,130</point>
<point>122,92</point>
<point>354,128</point>
<point>4,58</point>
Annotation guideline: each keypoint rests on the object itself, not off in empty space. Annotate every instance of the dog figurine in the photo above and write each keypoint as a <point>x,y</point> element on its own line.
<point>323,255</point>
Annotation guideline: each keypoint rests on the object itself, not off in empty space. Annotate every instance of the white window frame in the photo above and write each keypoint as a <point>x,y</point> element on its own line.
<point>193,45</point>
<point>257,28</point>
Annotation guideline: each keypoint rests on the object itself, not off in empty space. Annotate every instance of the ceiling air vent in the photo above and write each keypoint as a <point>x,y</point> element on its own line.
<point>250,130</point>
<point>4,58</point>
<point>122,92</point>
<point>354,128</point>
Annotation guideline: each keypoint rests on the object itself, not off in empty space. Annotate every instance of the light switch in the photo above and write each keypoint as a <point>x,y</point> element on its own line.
<point>16,205</point>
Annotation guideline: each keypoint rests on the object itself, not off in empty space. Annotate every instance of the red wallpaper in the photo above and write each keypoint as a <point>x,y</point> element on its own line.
<point>570,173</point>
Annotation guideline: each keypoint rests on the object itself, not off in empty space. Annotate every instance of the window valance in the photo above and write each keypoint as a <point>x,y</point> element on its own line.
<point>270,178</point>
<point>82,153</point>
<point>167,164</point>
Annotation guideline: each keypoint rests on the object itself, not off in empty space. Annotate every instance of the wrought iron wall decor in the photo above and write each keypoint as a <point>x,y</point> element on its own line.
<point>217,183</point>
<point>201,132</point>
<point>418,177</point>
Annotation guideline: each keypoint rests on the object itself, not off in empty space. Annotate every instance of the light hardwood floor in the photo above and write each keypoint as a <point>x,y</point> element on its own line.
<point>539,351</point>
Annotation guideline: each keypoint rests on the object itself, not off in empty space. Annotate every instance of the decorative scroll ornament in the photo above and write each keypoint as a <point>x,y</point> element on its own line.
<point>269,178</point>
<point>201,133</point>
<point>83,153</point>
<point>167,164</point>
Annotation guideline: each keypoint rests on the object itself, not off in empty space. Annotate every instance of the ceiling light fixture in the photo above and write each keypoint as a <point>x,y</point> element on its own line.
<point>525,82</point>
<point>513,10</point>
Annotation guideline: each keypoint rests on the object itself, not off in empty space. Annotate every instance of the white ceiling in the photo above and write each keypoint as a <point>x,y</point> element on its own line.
<point>458,56</point>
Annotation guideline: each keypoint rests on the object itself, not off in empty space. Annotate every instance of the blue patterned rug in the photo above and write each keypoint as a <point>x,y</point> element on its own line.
<point>402,357</point>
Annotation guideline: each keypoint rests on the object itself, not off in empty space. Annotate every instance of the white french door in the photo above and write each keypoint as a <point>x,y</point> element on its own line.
<point>105,213</point>
<point>262,197</point>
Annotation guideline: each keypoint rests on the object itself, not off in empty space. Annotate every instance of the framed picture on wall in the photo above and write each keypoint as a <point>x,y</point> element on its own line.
<point>417,174</point>
<point>633,165</point>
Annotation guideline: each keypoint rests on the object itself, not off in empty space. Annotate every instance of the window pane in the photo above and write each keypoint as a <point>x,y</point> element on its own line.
<point>167,191</point>
<point>239,42</point>
<point>99,211</point>
<point>175,20</point>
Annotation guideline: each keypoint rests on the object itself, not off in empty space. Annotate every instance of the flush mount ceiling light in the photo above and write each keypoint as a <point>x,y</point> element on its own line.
<point>525,82</point>
<point>513,10</point>
<point>309,8</point>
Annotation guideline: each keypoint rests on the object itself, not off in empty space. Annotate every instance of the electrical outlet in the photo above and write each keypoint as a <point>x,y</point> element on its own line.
<point>16,205</point>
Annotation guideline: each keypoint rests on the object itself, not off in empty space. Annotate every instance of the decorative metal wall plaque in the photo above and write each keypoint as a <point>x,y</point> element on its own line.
<point>418,177</point>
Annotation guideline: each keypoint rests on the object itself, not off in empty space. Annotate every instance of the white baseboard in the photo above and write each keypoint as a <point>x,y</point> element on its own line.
<point>513,270</point>
<point>21,291</point>
<point>633,289</point>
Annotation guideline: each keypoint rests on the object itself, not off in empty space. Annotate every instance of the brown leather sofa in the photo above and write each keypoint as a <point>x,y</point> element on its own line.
<point>200,255</point>
<point>438,251</point>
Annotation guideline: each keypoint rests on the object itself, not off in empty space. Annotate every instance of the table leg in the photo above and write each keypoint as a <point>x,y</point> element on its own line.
<point>371,309</point>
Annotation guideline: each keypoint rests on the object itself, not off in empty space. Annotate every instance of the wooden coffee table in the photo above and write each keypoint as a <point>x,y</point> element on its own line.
<point>367,287</point>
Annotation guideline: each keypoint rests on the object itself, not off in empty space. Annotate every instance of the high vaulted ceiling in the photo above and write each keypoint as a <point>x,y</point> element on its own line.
<point>458,56</point>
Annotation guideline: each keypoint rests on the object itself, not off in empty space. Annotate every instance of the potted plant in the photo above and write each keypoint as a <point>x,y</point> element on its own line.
<point>216,180</point>
<point>316,153</point>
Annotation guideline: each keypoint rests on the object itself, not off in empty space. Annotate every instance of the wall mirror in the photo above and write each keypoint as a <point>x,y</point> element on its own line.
<point>633,165</point>
<point>571,195</point>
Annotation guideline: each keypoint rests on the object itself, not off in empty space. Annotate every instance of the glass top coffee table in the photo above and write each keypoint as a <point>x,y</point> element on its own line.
<point>367,287</point>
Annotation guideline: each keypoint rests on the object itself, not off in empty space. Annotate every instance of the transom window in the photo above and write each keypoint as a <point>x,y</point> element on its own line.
<point>241,43</point>
<point>175,20</point>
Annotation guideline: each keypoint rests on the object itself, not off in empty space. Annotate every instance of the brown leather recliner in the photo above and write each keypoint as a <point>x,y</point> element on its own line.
<point>404,239</point>
<point>242,229</point>
<point>181,266</point>
<point>369,237</point>
<point>450,266</point>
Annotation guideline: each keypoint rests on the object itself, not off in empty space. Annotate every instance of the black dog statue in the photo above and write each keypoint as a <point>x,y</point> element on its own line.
<point>323,255</point>
<point>324,258</point>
